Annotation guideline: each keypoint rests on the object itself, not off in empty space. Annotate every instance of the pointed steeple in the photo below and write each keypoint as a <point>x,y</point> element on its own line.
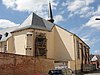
<point>50,14</point>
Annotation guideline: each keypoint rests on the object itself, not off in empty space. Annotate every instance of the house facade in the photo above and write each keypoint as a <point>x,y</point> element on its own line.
<point>95,60</point>
<point>43,39</point>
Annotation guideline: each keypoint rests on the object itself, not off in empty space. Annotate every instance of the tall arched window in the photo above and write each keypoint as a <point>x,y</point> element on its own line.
<point>40,45</point>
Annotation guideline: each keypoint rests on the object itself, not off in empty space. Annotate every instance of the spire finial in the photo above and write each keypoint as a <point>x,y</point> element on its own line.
<point>50,13</point>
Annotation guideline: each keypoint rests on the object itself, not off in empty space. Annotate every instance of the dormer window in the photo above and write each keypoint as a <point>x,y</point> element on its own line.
<point>0,36</point>
<point>6,34</point>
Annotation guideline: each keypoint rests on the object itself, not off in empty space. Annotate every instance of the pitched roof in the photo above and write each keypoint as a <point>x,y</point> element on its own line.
<point>94,57</point>
<point>91,56</point>
<point>98,57</point>
<point>4,31</point>
<point>36,22</point>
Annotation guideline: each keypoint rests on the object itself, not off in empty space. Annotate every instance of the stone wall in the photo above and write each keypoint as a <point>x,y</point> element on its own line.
<point>12,64</point>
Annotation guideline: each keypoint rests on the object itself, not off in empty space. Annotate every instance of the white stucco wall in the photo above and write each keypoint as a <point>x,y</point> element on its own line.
<point>19,42</point>
<point>11,45</point>
<point>64,45</point>
<point>22,41</point>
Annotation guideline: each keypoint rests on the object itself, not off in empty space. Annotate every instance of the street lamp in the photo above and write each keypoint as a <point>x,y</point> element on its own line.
<point>97,19</point>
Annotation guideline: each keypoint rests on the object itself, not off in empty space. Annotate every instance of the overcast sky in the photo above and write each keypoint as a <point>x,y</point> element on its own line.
<point>77,16</point>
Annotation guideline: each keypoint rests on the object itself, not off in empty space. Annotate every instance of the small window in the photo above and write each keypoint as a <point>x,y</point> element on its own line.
<point>0,37</point>
<point>6,34</point>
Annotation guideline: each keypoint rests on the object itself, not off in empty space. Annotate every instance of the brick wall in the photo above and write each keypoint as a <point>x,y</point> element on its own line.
<point>12,64</point>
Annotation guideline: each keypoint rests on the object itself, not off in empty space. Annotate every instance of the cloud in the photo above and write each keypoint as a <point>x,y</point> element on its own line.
<point>78,4</point>
<point>88,2</point>
<point>75,5</point>
<point>6,23</point>
<point>97,51</point>
<point>80,7</point>
<point>87,40</point>
<point>58,18</point>
<point>93,23</point>
<point>86,11</point>
<point>9,3</point>
<point>97,12</point>
<point>38,6</point>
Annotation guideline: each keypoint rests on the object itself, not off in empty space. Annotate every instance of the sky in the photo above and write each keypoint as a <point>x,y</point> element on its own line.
<point>77,16</point>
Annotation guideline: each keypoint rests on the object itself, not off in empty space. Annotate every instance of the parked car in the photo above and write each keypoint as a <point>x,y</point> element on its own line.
<point>55,72</point>
<point>61,70</point>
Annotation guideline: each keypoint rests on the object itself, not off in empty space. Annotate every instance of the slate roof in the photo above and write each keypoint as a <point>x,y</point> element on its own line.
<point>36,22</point>
<point>98,57</point>
<point>33,21</point>
<point>94,57</point>
<point>91,56</point>
<point>4,31</point>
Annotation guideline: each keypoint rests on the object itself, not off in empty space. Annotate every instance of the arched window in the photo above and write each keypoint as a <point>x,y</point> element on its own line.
<point>78,50</point>
<point>40,45</point>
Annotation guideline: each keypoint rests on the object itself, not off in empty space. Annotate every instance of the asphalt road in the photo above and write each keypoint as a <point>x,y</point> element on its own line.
<point>94,73</point>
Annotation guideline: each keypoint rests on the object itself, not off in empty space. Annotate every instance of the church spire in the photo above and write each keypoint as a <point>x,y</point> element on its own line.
<point>50,14</point>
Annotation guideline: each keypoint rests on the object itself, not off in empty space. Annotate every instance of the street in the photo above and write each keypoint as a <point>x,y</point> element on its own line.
<point>97,72</point>
<point>94,73</point>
